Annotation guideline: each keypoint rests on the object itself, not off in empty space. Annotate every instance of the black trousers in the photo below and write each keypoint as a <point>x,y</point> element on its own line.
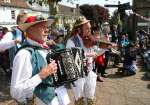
<point>99,69</point>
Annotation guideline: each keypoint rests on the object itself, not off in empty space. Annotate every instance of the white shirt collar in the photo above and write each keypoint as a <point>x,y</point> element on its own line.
<point>32,42</point>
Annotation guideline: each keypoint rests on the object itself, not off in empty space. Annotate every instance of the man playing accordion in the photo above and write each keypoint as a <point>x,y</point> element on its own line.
<point>31,80</point>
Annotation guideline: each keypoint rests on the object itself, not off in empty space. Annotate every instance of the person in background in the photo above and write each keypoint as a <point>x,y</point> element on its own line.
<point>106,31</point>
<point>141,37</point>
<point>100,59</point>
<point>129,63</point>
<point>124,42</point>
<point>114,34</point>
<point>4,61</point>
<point>4,30</point>
<point>1,35</point>
<point>12,40</point>
<point>53,33</point>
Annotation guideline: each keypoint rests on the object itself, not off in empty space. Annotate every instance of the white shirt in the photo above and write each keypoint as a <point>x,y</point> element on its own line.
<point>7,42</point>
<point>23,83</point>
<point>71,44</point>
<point>80,88</point>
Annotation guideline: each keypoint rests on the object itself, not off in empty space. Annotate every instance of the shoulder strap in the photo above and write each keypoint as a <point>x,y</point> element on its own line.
<point>30,47</point>
<point>76,41</point>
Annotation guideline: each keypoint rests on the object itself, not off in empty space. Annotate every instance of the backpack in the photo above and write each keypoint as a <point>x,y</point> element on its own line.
<point>76,41</point>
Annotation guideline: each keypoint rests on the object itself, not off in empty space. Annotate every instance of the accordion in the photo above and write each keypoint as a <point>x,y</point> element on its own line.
<point>69,63</point>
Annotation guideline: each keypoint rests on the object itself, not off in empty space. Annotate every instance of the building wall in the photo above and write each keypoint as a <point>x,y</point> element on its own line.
<point>142,7</point>
<point>6,19</point>
<point>6,16</point>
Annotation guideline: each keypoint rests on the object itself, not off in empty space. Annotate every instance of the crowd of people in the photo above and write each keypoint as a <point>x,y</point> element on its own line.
<point>32,76</point>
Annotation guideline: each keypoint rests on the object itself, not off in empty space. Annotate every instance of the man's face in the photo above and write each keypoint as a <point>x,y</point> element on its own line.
<point>97,35</point>
<point>115,27</point>
<point>39,32</point>
<point>86,29</point>
<point>123,37</point>
<point>23,18</point>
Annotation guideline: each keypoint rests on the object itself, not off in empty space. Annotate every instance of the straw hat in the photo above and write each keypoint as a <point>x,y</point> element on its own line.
<point>32,20</point>
<point>80,21</point>
<point>106,23</point>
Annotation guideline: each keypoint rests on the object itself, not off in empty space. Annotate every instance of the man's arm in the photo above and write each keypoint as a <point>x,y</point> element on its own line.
<point>22,82</point>
<point>7,42</point>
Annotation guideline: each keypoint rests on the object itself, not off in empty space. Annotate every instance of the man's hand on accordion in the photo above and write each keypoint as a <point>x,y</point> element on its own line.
<point>91,54</point>
<point>50,69</point>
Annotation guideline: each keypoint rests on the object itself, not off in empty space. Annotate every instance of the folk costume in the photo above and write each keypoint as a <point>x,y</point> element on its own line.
<point>27,87</point>
<point>84,89</point>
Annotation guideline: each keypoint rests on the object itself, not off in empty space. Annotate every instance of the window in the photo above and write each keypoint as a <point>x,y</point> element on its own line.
<point>72,10</point>
<point>6,1</point>
<point>13,14</point>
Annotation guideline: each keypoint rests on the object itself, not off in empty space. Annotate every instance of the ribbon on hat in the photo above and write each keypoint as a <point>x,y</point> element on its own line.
<point>34,18</point>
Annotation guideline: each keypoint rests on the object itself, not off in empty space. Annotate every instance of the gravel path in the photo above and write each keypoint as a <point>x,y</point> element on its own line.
<point>116,90</point>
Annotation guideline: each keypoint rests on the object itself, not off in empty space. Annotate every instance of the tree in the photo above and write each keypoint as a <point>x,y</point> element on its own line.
<point>53,7</point>
<point>53,4</point>
<point>97,14</point>
<point>114,18</point>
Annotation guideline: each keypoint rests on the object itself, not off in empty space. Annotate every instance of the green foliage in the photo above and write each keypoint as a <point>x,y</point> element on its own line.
<point>97,14</point>
<point>114,18</point>
<point>40,2</point>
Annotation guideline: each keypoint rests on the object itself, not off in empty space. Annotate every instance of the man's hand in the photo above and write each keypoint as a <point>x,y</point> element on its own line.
<point>50,42</point>
<point>49,70</point>
<point>17,41</point>
<point>91,54</point>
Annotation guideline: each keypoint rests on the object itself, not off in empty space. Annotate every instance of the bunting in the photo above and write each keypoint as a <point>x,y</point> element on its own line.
<point>142,17</point>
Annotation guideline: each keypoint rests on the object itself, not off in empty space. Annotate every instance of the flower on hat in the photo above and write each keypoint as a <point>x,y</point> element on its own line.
<point>32,20</point>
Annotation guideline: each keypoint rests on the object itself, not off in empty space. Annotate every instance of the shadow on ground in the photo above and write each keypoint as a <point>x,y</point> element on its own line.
<point>4,87</point>
<point>116,75</point>
<point>148,86</point>
<point>145,77</point>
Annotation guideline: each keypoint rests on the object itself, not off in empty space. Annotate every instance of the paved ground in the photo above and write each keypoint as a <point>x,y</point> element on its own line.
<point>116,90</point>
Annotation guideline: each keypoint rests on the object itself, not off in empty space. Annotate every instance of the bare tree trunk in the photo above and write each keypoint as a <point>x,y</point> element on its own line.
<point>53,7</point>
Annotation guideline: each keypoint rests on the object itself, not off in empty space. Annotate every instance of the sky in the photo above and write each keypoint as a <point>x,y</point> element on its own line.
<point>99,2</point>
